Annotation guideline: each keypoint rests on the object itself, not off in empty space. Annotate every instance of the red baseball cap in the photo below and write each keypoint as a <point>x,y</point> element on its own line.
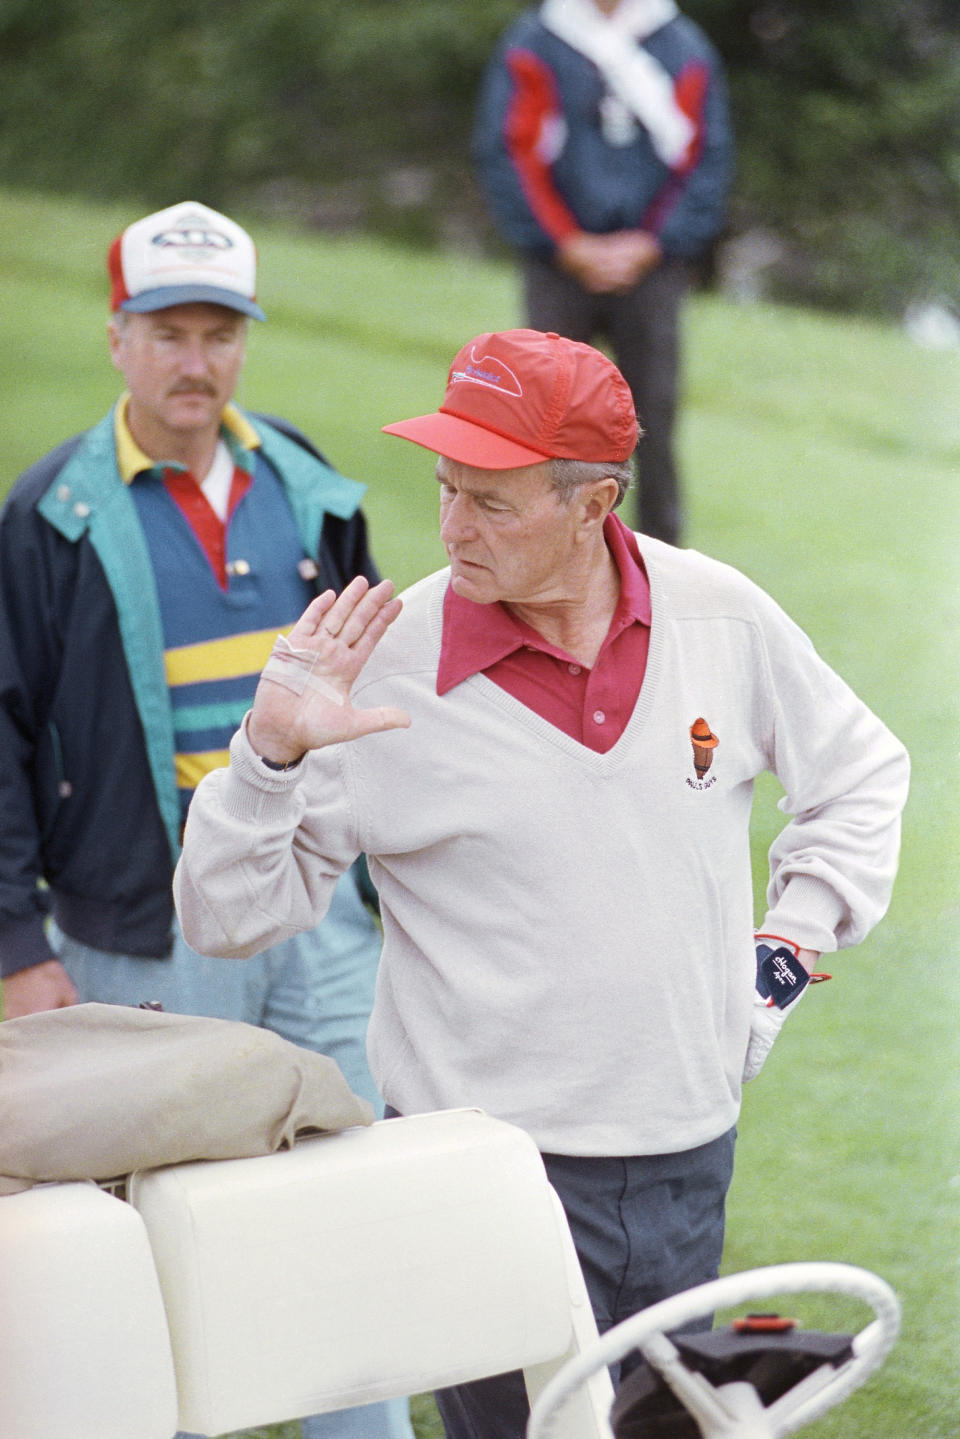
<point>521,396</point>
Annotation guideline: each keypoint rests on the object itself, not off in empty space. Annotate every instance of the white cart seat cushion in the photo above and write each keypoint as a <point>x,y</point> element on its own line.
<point>96,1091</point>
<point>355,1267</point>
<point>86,1350</point>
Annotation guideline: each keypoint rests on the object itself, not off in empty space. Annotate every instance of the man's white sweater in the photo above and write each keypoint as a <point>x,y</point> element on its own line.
<point>568,936</point>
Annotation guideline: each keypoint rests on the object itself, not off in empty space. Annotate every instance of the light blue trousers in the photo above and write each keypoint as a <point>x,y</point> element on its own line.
<point>315,990</point>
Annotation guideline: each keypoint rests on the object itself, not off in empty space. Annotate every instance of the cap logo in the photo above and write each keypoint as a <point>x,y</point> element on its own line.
<point>192,241</point>
<point>490,372</point>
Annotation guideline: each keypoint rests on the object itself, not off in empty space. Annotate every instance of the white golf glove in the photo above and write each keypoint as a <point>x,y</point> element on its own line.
<point>781,980</point>
<point>766,1021</point>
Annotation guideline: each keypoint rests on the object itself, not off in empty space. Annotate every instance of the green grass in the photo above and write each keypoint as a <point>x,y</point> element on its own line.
<point>821,455</point>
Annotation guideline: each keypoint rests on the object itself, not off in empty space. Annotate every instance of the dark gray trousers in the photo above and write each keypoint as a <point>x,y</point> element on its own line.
<point>642,328</point>
<point>645,1227</point>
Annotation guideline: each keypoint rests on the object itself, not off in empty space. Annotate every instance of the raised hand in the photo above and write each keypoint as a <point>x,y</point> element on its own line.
<point>303,698</point>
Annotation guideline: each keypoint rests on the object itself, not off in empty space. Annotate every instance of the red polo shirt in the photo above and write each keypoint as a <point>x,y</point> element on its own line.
<point>591,705</point>
<point>208,528</point>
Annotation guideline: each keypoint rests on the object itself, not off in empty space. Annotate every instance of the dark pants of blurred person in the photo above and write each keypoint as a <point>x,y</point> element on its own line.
<point>642,328</point>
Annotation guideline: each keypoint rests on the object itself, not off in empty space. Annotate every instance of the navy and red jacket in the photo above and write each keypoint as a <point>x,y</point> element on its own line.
<point>549,170</point>
<point>90,812</point>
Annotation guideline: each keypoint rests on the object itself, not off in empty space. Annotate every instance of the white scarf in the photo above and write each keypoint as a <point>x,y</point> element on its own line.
<point>632,75</point>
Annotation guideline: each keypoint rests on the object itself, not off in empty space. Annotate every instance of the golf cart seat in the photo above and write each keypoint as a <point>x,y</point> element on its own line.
<point>226,1294</point>
<point>84,1344</point>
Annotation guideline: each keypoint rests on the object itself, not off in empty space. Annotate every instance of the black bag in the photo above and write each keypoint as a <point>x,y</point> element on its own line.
<point>772,1356</point>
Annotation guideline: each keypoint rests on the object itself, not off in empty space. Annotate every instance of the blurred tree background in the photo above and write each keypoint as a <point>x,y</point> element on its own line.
<point>356,114</point>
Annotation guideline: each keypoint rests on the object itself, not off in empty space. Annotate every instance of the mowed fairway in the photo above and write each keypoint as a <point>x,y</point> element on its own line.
<point>821,456</point>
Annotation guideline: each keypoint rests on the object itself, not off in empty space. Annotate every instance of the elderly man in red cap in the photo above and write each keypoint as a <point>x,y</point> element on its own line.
<point>565,883</point>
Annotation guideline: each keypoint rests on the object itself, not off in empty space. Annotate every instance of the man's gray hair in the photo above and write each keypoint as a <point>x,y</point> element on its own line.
<point>568,475</point>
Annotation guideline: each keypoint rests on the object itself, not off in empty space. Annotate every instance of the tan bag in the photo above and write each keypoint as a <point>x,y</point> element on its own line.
<point>96,1091</point>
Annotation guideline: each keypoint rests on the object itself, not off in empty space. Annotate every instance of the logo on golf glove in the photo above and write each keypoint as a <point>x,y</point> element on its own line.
<point>781,978</point>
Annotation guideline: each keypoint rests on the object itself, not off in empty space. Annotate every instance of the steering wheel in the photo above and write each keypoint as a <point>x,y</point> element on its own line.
<point>735,1411</point>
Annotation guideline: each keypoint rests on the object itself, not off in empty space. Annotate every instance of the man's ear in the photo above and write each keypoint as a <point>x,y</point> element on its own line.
<point>597,499</point>
<point>114,336</point>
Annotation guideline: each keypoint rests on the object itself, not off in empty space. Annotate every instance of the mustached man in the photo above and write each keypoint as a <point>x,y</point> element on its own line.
<point>146,567</point>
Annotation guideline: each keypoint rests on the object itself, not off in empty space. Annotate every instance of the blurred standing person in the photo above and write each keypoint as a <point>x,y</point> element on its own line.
<point>603,143</point>
<point>146,568</point>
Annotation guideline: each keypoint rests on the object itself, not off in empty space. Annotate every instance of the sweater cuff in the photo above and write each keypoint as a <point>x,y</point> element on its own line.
<point>252,792</point>
<point>808,912</point>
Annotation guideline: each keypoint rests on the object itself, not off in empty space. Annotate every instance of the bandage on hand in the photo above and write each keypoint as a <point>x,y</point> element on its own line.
<point>294,669</point>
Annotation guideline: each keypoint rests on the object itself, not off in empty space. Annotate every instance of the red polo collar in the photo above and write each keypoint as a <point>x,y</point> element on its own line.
<point>478,636</point>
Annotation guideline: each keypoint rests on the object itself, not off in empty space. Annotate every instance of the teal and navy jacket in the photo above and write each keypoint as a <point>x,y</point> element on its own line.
<point>91,814</point>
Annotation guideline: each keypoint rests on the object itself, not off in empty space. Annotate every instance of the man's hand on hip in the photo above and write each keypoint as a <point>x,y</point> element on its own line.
<point>783,973</point>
